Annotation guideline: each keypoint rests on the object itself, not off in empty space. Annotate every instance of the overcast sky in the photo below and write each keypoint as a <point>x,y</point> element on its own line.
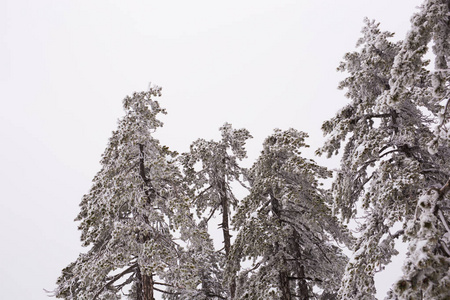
<point>67,65</point>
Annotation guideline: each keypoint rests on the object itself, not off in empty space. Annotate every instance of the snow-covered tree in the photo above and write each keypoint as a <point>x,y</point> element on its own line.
<point>376,166</point>
<point>210,168</point>
<point>387,132</point>
<point>130,215</point>
<point>427,266</point>
<point>426,271</point>
<point>286,227</point>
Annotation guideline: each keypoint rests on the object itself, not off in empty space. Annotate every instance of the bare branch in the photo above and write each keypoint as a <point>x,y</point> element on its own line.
<point>306,277</point>
<point>166,292</point>
<point>444,246</point>
<point>114,279</point>
<point>444,190</point>
<point>212,213</point>
<point>443,220</point>
<point>398,234</point>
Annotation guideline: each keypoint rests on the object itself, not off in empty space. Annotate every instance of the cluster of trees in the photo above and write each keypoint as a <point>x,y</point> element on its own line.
<point>147,217</point>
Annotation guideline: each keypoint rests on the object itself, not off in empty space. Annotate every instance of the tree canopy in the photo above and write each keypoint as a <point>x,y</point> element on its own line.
<point>146,221</point>
<point>393,155</point>
<point>286,227</point>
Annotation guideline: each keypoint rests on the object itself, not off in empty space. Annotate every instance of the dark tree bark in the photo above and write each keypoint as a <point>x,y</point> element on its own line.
<point>302,286</point>
<point>225,203</point>
<point>144,286</point>
<point>299,270</point>
<point>283,276</point>
<point>147,287</point>
<point>145,281</point>
<point>284,285</point>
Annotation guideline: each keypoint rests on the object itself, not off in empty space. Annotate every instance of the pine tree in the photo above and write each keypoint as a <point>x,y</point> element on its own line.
<point>210,169</point>
<point>376,167</point>
<point>130,215</point>
<point>387,131</point>
<point>427,266</point>
<point>426,271</point>
<point>286,227</point>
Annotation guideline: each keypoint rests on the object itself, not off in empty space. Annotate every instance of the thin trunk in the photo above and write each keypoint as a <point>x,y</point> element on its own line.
<point>138,284</point>
<point>302,285</point>
<point>300,269</point>
<point>225,203</point>
<point>147,186</point>
<point>145,281</point>
<point>225,219</point>
<point>283,276</point>
<point>284,286</point>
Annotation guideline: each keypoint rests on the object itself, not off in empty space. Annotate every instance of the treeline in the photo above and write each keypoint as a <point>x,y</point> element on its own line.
<point>146,220</point>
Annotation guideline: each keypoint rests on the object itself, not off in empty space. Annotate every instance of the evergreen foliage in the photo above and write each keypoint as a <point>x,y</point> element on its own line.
<point>286,227</point>
<point>145,220</point>
<point>211,183</point>
<point>391,153</point>
<point>130,215</point>
<point>141,204</point>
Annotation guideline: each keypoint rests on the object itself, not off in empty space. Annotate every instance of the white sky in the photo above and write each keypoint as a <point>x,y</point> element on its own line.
<point>67,65</point>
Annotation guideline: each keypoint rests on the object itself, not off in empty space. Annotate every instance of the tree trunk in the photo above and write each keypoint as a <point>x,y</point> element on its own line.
<point>283,276</point>
<point>144,286</point>
<point>300,269</point>
<point>145,281</point>
<point>302,286</point>
<point>149,191</point>
<point>147,287</point>
<point>284,285</point>
<point>225,216</point>
<point>224,202</point>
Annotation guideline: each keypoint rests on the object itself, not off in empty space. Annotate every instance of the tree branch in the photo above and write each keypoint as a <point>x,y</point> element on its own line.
<point>114,279</point>
<point>443,220</point>
<point>444,190</point>
<point>370,116</point>
<point>306,277</point>
<point>398,234</point>
<point>166,292</point>
<point>212,213</point>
